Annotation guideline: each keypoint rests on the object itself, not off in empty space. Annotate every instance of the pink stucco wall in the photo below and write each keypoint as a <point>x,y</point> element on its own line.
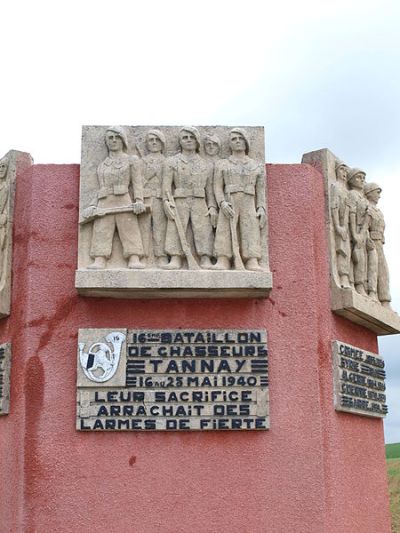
<point>314,471</point>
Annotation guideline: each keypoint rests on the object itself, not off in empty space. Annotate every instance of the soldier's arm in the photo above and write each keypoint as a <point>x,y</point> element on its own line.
<point>4,199</point>
<point>219,183</point>
<point>137,179</point>
<point>167,180</point>
<point>260,188</point>
<point>210,197</point>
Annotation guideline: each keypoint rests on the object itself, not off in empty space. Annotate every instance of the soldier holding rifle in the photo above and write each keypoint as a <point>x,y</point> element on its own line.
<point>188,198</point>
<point>239,184</point>
<point>114,209</point>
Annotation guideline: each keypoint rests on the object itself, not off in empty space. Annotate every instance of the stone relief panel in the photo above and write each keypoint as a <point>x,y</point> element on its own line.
<point>356,226</point>
<point>8,171</point>
<point>172,199</point>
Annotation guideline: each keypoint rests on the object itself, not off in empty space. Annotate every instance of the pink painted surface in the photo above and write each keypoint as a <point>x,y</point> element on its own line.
<point>314,471</point>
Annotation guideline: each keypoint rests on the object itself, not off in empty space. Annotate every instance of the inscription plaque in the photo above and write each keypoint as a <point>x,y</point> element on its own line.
<point>359,381</point>
<point>5,366</point>
<point>172,380</point>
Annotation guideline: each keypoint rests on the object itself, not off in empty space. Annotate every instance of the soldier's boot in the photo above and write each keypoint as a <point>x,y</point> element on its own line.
<point>361,289</point>
<point>175,263</point>
<point>205,262</point>
<point>99,263</point>
<point>344,281</point>
<point>373,296</point>
<point>223,263</point>
<point>162,261</point>
<point>252,264</point>
<point>134,262</point>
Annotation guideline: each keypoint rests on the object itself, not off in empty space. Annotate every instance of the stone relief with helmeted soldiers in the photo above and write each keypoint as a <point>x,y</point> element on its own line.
<point>173,198</point>
<point>358,227</point>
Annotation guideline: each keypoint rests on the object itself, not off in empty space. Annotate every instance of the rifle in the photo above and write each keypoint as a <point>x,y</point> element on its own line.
<point>237,259</point>
<point>101,211</point>
<point>192,264</point>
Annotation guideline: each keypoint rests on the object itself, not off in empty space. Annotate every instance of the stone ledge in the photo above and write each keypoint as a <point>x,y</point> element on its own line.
<point>151,284</point>
<point>361,310</point>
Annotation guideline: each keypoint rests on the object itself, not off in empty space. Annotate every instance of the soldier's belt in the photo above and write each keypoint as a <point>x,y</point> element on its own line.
<point>249,189</point>
<point>116,189</point>
<point>155,193</point>
<point>184,193</point>
<point>376,235</point>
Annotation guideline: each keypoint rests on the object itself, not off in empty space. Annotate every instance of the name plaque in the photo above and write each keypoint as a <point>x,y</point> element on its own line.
<point>359,381</point>
<point>133,380</point>
<point>5,367</point>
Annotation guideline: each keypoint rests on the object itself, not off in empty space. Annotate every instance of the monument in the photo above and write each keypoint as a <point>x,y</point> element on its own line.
<point>159,381</point>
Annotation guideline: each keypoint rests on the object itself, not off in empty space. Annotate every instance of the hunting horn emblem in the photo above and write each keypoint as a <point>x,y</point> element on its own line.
<point>100,363</point>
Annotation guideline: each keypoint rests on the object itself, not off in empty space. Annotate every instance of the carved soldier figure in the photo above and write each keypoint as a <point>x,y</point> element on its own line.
<point>340,211</point>
<point>114,210</point>
<point>358,227</point>
<point>4,194</point>
<point>153,224</point>
<point>212,146</point>
<point>239,184</point>
<point>378,272</point>
<point>188,197</point>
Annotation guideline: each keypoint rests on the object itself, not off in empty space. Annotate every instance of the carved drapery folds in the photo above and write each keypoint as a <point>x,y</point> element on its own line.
<point>356,226</point>
<point>172,199</point>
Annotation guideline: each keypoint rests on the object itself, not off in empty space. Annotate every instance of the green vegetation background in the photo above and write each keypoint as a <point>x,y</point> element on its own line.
<point>393,466</point>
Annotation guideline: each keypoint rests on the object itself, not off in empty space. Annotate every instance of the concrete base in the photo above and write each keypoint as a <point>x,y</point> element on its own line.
<point>150,284</point>
<point>364,311</point>
<point>316,470</point>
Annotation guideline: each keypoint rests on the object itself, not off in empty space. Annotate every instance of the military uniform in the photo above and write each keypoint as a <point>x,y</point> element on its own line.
<point>189,180</point>
<point>358,208</point>
<point>154,224</point>
<point>378,272</point>
<point>241,183</point>
<point>340,200</point>
<point>115,176</point>
<point>4,192</point>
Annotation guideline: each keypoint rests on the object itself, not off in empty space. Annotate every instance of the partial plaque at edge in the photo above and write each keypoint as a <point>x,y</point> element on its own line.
<point>359,381</point>
<point>5,369</point>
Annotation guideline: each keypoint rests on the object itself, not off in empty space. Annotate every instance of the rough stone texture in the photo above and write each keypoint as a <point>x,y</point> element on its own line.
<point>173,284</point>
<point>354,268</point>
<point>305,474</point>
<point>5,371</point>
<point>12,164</point>
<point>186,194</point>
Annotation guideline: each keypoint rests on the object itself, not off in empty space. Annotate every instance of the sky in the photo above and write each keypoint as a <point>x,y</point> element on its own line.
<point>314,74</point>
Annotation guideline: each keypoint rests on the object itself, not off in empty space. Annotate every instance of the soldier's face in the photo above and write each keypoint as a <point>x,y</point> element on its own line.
<point>358,180</point>
<point>238,143</point>
<point>187,140</point>
<point>153,143</point>
<point>374,196</point>
<point>211,148</point>
<point>3,169</point>
<point>113,141</point>
<point>341,173</point>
